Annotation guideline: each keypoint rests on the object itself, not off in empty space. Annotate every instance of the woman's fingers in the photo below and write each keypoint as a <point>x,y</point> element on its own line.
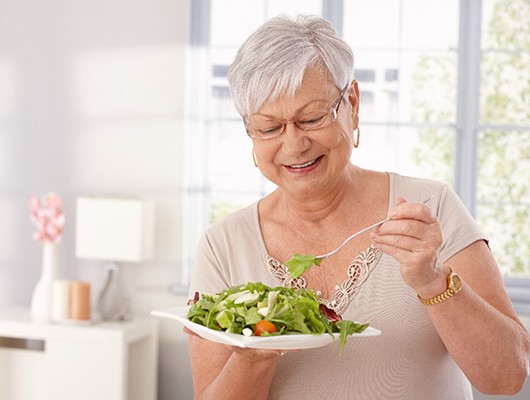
<point>413,237</point>
<point>257,354</point>
<point>412,210</point>
<point>248,354</point>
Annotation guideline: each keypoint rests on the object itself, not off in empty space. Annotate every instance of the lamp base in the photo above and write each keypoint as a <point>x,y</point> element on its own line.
<point>113,301</point>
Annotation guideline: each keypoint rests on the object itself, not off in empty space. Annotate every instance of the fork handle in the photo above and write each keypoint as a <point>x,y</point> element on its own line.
<point>351,237</point>
<point>362,231</point>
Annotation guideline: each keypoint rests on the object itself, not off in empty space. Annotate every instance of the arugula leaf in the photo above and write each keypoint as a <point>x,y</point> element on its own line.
<point>347,328</point>
<point>299,263</point>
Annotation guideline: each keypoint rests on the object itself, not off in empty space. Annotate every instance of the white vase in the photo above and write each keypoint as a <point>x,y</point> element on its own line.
<point>41,301</point>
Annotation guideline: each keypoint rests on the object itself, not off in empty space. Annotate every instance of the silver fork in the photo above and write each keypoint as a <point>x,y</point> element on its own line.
<point>358,233</point>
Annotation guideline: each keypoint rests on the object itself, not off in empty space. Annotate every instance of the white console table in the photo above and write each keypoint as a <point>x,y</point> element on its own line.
<point>104,361</point>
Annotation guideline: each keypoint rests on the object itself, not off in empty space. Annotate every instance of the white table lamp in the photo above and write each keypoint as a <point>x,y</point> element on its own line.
<point>114,230</point>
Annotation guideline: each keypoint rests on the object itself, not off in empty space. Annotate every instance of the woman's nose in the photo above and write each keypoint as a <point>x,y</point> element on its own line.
<point>295,140</point>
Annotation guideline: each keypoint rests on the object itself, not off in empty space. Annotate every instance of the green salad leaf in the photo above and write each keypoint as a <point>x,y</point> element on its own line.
<point>347,328</point>
<point>299,263</point>
<point>292,311</point>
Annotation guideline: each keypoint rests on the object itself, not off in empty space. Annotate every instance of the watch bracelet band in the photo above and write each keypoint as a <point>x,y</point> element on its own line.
<point>447,294</point>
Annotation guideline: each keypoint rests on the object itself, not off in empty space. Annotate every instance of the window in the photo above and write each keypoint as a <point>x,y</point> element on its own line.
<point>418,65</point>
<point>503,143</point>
<point>412,50</point>
<point>365,75</point>
<point>391,75</point>
<point>220,71</point>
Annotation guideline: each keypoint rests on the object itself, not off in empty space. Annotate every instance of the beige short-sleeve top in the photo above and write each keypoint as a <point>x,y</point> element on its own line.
<point>408,361</point>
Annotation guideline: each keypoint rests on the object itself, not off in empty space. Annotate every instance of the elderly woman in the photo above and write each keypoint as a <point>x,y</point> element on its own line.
<point>429,281</point>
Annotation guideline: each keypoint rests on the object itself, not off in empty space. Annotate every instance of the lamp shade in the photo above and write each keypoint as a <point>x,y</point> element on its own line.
<point>114,229</point>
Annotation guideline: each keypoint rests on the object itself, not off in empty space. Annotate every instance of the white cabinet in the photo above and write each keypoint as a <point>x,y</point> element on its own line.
<point>104,361</point>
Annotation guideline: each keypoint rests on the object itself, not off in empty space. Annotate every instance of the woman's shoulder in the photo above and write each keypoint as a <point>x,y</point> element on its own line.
<point>413,181</point>
<point>415,188</point>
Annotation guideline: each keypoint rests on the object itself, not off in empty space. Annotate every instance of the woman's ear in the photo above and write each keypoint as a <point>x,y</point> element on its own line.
<point>354,99</point>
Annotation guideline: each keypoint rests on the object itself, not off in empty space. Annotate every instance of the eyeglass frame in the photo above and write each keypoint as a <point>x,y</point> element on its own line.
<point>334,109</point>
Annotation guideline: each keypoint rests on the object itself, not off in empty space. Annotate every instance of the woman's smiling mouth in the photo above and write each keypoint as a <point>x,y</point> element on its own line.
<point>305,166</point>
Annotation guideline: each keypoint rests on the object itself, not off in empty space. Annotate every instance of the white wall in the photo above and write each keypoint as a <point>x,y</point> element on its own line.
<point>92,103</point>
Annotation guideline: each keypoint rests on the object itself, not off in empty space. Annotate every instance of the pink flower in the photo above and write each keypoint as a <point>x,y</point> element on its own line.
<point>47,216</point>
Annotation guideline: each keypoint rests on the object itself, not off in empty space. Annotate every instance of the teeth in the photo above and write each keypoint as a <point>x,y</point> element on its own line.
<point>307,164</point>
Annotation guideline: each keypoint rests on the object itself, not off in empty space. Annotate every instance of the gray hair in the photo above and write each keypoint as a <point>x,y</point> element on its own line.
<point>272,61</point>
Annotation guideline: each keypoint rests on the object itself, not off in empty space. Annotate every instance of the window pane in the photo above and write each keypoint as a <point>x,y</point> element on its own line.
<point>505,74</point>
<point>503,197</point>
<point>293,7</point>
<point>429,24</point>
<point>415,151</point>
<point>229,160</point>
<point>423,85</point>
<point>411,48</point>
<point>505,24</point>
<point>505,87</point>
<point>221,204</point>
<point>232,21</point>
<point>361,31</point>
<point>391,24</point>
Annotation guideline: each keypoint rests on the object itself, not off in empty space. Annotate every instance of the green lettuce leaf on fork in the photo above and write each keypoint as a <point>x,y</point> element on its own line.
<point>299,263</point>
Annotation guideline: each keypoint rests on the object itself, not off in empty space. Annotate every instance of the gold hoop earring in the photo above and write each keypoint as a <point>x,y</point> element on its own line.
<point>356,137</point>
<point>254,158</point>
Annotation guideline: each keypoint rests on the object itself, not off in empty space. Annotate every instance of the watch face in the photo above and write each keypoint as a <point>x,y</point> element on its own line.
<point>456,282</point>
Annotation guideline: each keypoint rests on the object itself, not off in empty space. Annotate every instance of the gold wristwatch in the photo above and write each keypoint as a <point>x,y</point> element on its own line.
<point>454,284</point>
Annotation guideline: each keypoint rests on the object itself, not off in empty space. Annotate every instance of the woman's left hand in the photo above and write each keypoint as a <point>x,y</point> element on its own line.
<point>413,237</point>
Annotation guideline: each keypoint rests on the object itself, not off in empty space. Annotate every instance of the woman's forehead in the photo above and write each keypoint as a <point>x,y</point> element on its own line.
<point>315,88</point>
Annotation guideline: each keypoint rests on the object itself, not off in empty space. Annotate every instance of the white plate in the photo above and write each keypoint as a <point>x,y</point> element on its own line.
<point>283,342</point>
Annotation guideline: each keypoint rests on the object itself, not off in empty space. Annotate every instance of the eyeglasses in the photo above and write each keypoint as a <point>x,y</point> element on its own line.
<point>310,121</point>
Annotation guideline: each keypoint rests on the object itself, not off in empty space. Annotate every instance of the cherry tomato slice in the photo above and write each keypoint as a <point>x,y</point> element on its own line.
<point>264,326</point>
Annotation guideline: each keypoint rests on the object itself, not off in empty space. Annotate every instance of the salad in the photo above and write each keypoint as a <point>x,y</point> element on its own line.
<point>256,309</point>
